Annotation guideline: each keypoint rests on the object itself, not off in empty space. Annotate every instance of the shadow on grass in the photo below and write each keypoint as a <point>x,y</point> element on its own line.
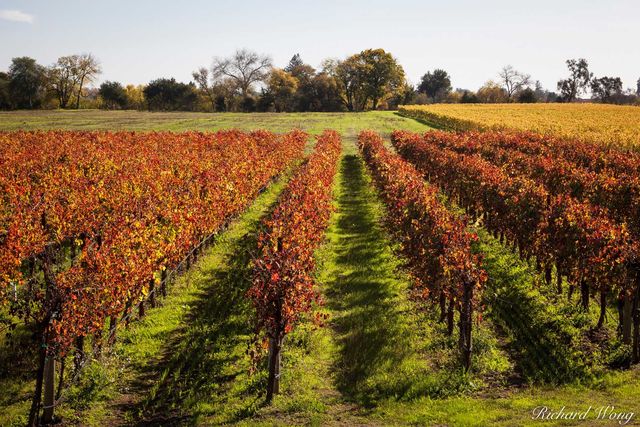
<point>544,343</point>
<point>373,338</point>
<point>431,123</point>
<point>205,363</point>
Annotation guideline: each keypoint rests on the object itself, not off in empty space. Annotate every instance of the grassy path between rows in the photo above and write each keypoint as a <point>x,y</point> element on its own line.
<point>185,358</point>
<point>378,360</point>
<point>187,362</point>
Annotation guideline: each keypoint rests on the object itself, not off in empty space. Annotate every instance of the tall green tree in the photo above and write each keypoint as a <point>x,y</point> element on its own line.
<point>406,95</point>
<point>315,91</point>
<point>63,79</point>
<point>367,78</point>
<point>306,93</point>
<point>323,94</point>
<point>527,96</point>
<point>436,85</point>
<point>27,82</point>
<point>114,95</point>
<point>348,75</point>
<point>170,95</point>
<point>5,94</point>
<point>382,76</point>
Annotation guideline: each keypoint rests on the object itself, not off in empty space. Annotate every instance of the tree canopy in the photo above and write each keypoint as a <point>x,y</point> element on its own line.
<point>27,82</point>
<point>113,95</point>
<point>436,85</point>
<point>606,89</point>
<point>170,95</point>
<point>578,80</point>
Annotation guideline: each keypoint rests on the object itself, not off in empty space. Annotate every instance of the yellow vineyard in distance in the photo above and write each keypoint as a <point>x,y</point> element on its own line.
<point>605,124</point>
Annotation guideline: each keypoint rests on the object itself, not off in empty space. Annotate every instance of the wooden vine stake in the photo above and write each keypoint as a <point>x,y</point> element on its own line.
<point>636,320</point>
<point>466,322</point>
<point>275,348</point>
<point>49,389</point>
<point>275,352</point>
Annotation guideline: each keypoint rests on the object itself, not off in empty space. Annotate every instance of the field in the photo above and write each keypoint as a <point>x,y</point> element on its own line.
<point>351,124</point>
<point>604,124</point>
<point>470,299</point>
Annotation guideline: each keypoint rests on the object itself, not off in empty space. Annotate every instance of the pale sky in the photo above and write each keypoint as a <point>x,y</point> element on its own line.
<point>137,41</point>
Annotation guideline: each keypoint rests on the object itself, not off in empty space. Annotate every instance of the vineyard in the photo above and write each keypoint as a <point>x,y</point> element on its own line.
<point>602,124</point>
<point>434,240</point>
<point>581,242</point>
<point>92,224</point>
<point>372,276</point>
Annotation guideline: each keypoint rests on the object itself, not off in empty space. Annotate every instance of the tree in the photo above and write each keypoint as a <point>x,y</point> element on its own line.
<point>436,85</point>
<point>543,95</point>
<point>577,82</point>
<point>305,74</point>
<point>63,80</point>
<point>325,95</point>
<point>87,69</point>
<point>135,97</point>
<point>227,98</point>
<point>221,104</point>
<point>513,81</point>
<point>5,94</point>
<point>638,87</point>
<point>266,101</point>
<point>469,97</point>
<point>113,95</point>
<point>27,80</point>
<point>527,96</point>
<point>372,75</point>
<point>295,63</point>
<point>282,87</point>
<point>244,67</point>
<point>170,95</point>
<point>382,76</point>
<point>202,79</point>
<point>606,89</point>
<point>248,104</point>
<point>348,75</point>
<point>406,95</point>
<point>492,92</point>
<point>69,74</point>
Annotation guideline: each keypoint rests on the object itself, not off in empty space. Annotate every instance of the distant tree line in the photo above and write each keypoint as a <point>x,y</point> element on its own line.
<point>247,81</point>
<point>515,86</point>
<point>28,85</point>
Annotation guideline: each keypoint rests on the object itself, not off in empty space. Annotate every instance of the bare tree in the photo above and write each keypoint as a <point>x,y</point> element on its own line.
<point>62,79</point>
<point>69,74</point>
<point>244,68</point>
<point>513,80</point>
<point>87,69</point>
<point>201,77</point>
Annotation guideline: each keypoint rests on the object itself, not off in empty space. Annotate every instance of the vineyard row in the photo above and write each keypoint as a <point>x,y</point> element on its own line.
<point>91,222</point>
<point>579,239</point>
<point>434,240</point>
<point>283,285</point>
